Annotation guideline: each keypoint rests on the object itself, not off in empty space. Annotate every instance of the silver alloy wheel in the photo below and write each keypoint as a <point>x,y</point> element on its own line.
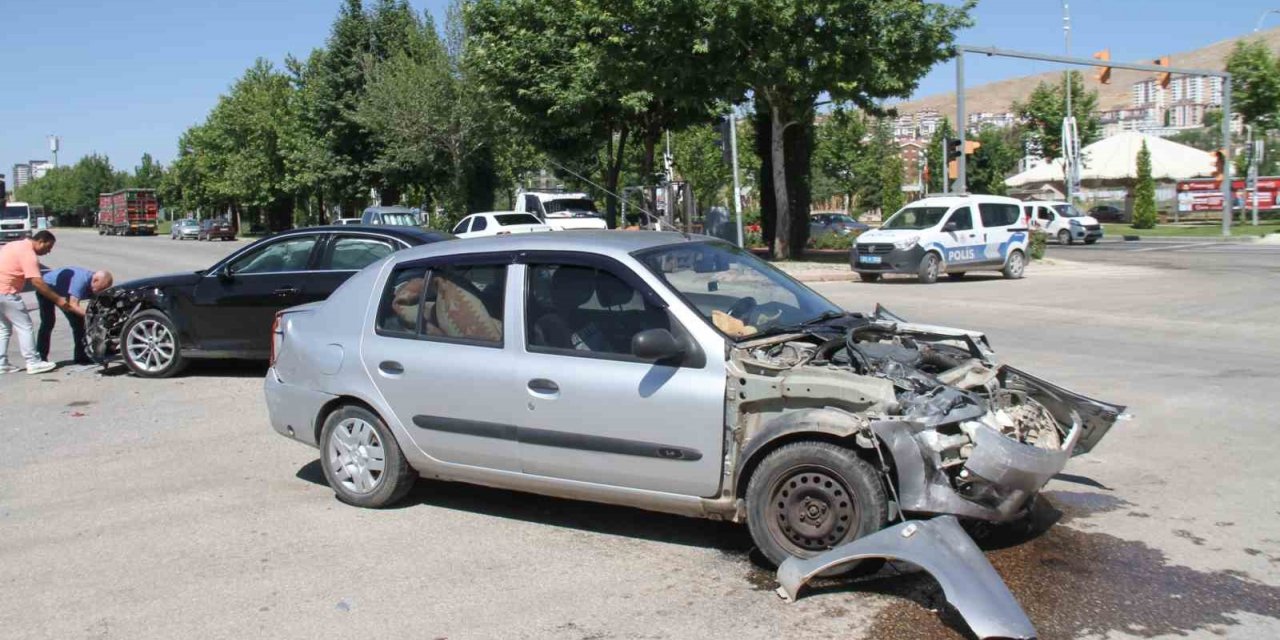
<point>1016,265</point>
<point>933,267</point>
<point>150,345</point>
<point>356,455</point>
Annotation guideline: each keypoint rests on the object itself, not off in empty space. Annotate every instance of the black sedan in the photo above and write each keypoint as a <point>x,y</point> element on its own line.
<point>157,324</point>
<point>1107,213</point>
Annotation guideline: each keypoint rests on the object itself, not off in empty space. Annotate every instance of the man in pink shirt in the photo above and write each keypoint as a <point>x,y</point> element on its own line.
<point>18,266</point>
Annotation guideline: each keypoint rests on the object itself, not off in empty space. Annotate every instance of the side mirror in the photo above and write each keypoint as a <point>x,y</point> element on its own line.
<point>950,226</point>
<point>227,274</point>
<point>656,344</point>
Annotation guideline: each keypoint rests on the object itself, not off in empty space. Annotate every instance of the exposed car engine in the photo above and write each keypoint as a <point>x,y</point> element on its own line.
<point>106,317</point>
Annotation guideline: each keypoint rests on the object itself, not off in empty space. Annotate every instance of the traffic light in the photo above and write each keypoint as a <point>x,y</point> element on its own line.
<point>1162,77</point>
<point>1104,72</point>
<point>953,148</point>
<point>725,141</point>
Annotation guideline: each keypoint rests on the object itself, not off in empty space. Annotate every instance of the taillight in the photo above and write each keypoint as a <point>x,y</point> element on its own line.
<point>277,336</point>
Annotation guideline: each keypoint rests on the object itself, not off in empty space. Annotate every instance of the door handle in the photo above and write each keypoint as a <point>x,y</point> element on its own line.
<point>391,367</point>
<point>543,386</point>
<point>286,291</point>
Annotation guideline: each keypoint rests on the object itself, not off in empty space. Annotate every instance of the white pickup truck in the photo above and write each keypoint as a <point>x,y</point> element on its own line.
<point>561,210</point>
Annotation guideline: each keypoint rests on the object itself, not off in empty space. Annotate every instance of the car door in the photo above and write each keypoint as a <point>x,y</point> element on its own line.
<point>235,304</point>
<point>342,255</point>
<point>596,413</point>
<point>1047,220</point>
<point>1002,230</point>
<point>478,225</point>
<point>962,242</point>
<point>439,356</point>
<point>460,229</point>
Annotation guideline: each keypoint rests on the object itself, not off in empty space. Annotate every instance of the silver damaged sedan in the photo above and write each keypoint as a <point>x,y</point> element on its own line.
<point>667,372</point>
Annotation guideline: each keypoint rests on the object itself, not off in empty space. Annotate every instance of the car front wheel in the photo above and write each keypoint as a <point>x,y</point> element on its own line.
<point>868,277</point>
<point>930,266</point>
<point>808,497</point>
<point>1014,266</point>
<point>1064,237</point>
<point>150,347</point>
<point>362,461</point>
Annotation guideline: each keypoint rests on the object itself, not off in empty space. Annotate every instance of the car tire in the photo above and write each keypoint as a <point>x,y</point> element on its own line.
<point>930,267</point>
<point>956,275</point>
<point>805,478</point>
<point>1015,265</point>
<point>150,347</point>
<point>868,277</point>
<point>352,441</point>
<point>1064,237</point>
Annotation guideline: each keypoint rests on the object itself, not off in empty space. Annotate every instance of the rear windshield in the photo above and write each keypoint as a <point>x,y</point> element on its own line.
<point>400,219</point>
<point>508,219</point>
<point>995,214</point>
<point>915,218</point>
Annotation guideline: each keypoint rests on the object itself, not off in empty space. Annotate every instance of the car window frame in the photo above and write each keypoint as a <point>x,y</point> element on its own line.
<point>312,258</point>
<point>503,259</point>
<point>481,221</point>
<point>463,225</point>
<point>954,212</point>
<point>694,359</point>
<point>326,257</point>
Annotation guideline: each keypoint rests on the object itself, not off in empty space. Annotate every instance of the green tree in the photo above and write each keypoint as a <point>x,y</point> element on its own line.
<point>858,51</point>
<point>1255,84</point>
<point>1144,206</point>
<point>840,146</point>
<point>878,170</point>
<point>995,159</point>
<point>1047,106</point>
<point>700,160</point>
<point>148,174</point>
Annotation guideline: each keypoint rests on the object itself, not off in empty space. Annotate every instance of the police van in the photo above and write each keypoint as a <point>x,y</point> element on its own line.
<point>951,234</point>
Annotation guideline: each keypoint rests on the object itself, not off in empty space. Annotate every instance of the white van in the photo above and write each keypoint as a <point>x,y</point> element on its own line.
<point>946,234</point>
<point>561,210</point>
<point>1063,221</point>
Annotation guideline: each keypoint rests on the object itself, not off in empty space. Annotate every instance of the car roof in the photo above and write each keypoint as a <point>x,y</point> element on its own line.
<point>950,201</point>
<point>608,242</point>
<point>412,235</point>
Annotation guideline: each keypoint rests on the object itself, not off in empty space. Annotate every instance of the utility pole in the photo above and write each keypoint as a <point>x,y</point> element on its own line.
<point>961,186</point>
<point>733,155</point>
<point>54,143</point>
<point>1069,145</point>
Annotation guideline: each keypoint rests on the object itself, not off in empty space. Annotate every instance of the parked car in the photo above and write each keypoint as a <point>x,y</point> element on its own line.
<point>498,223</point>
<point>946,234</point>
<point>560,209</point>
<point>157,324</point>
<point>216,228</point>
<point>837,222</point>
<point>1106,213</point>
<point>667,372</point>
<point>1064,222</point>
<point>184,229</point>
<point>340,221</point>
<point>391,216</point>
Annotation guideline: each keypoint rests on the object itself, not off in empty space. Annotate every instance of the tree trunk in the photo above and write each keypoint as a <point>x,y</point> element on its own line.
<point>646,173</point>
<point>612,174</point>
<point>782,201</point>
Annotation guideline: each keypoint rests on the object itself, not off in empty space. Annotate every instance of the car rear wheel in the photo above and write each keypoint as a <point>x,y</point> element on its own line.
<point>361,460</point>
<point>808,497</point>
<point>150,347</point>
<point>868,277</point>
<point>1064,237</point>
<point>930,266</point>
<point>1014,266</point>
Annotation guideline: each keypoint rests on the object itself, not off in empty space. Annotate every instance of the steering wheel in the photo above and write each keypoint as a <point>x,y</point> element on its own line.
<point>742,308</point>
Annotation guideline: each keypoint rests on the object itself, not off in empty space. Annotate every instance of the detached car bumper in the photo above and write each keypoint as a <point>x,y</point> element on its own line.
<point>881,258</point>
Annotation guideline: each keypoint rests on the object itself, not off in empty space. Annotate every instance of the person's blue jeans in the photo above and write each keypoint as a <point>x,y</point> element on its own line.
<point>47,320</point>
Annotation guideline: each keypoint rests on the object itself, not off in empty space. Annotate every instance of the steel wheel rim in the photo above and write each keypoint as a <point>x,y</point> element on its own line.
<point>811,509</point>
<point>150,345</point>
<point>356,456</point>
<point>933,267</point>
<point>1064,237</point>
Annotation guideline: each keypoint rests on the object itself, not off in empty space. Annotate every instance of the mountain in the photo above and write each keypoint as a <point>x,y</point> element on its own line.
<point>998,97</point>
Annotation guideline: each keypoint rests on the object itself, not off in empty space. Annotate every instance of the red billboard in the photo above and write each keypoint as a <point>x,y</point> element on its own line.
<point>1205,194</point>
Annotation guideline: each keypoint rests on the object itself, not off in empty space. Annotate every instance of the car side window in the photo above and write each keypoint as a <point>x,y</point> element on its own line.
<point>996,214</point>
<point>447,303</point>
<point>401,310</point>
<point>585,311</point>
<point>293,254</point>
<point>479,223</point>
<point>1045,214</point>
<point>461,227</point>
<point>532,205</point>
<point>962,218</point>
<point>352,253</point>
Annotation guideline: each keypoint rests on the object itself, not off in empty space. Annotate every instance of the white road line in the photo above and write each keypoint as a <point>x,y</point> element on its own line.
<point>1178,246</point>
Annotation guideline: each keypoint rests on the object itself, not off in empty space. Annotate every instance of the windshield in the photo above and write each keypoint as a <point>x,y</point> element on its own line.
<point>738,293</point>
<point>915,218</point>
<point>400,219</point>
<point>11,212</point>
<point>1067,211</point>
<point>564,206</point>
<point>508,219</point>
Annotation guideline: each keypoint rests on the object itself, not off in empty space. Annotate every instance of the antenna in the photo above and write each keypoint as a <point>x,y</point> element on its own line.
<point>55,142</point>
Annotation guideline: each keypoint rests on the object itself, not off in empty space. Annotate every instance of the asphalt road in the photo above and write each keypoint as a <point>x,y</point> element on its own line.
<point>163,509</point>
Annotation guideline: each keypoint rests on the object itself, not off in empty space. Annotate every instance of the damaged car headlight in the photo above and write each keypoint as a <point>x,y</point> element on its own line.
<point>907,242</point>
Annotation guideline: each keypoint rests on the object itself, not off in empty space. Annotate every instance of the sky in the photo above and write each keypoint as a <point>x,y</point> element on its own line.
<point>125,77</point>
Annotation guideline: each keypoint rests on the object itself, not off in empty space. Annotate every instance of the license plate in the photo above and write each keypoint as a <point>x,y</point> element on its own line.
<point>869,259</point>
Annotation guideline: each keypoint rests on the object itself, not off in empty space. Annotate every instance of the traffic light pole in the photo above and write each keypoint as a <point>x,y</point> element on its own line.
<point>1088,62</point>
<point>960,123</point>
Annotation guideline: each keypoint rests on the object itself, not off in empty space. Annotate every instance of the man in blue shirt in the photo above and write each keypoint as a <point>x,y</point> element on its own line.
<point>77,285</point>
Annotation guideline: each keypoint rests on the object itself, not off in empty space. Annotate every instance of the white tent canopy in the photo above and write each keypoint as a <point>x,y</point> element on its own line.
<point>1116,158</point>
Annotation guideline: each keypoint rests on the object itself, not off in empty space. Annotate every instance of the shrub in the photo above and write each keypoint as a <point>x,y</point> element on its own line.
<point>833,241</point>
<point>1039,240</point>
<point>1144,193</point>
